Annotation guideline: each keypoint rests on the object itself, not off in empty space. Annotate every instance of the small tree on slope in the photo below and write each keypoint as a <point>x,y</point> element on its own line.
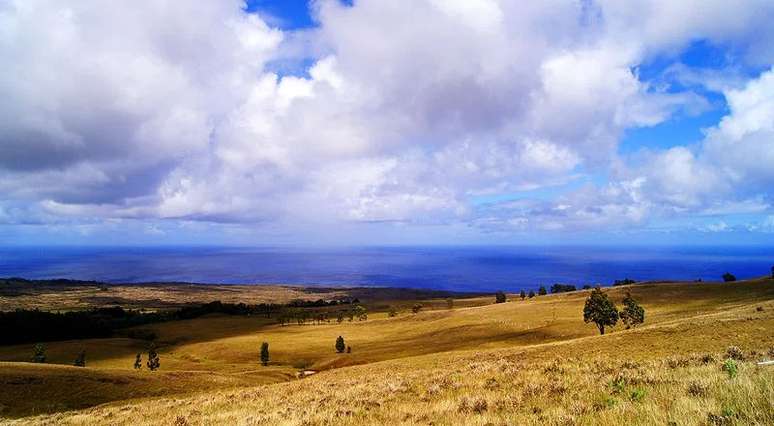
<point>340,346</point>
<point>80,361</point>
<point>500,297</point>
<point>600,310</point>
<point>265,353</point>
<point>632,314</point>
<point>153,359</point>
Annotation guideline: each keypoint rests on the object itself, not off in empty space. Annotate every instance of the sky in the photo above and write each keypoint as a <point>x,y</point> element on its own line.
<point>220,122</point>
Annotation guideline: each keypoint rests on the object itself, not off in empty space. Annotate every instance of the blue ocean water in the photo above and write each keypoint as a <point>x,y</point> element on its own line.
<point>446,268</point>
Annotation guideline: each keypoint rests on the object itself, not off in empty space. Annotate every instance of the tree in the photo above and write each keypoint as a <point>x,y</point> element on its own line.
<point>522,294</point>
<point>625,281</point>
<point>449,303</point>
<point>138,361</point>
<point>632,314</point>
<point>500,297</point>
<point>392,312</point>
<point>600,310</point>
<point>416,308</point>
<point>340,316</point>
<point>39,353</point>
<point>587,287</point>
<point>349,349</point>
<point>80,360</point>
<point>542,291</point>
<point>340,346</point>
<point>361,312</point>
<point>531,294</point>
<point>729,277</point>
<point>153,358</point>
<point>265,353</point>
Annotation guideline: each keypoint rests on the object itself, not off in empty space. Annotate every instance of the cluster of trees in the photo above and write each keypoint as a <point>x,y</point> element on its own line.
<point>729,277</point>
<point>26,326</point>
<point>625,281</point>
<point>562,288</point>
<point>153,363</point>
<point>600,310</point>
<point>302,316</point>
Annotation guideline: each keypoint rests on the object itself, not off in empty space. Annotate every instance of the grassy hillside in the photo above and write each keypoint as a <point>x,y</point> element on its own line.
<point>532,361</point>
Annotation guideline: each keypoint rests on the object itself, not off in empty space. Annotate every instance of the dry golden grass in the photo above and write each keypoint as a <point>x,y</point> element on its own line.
<point>522,362</point>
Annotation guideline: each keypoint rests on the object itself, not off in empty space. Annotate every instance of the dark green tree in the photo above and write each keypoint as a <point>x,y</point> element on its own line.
<point>138,361</point>
<point>80,360</point>
<point>361,313</point>
<point>416,308</point>
<point>340,346</point>
<point>522,294</point>
<point>531,294</point>
<point>729,277</point>
<point>265,353</point>
<point>153,358</point>
<point>600,310</point>
<point>542,291</point>
<point>39,353</point>
<point>500,297</point>
<point>632,314</point>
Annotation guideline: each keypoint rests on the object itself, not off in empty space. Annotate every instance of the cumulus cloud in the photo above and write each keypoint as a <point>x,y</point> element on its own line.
<point>161,110</point>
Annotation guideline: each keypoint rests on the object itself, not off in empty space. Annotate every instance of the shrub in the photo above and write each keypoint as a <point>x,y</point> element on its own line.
<point>731,368</point>
<point>153,358</point>
<point>39,353</point>
<point>638,395</point>
<point>138,362</point>
<point>349,349</point>
<point>587,287</point>
<point>361,313</point>
<point>600,310</point>
<point>734,352</point>
<point>542,291</point>
<point>265,353</point>
<point>416,308</point>
<point>392,312</point>
<point>632,314</point>
<point>340,346</point>
<point>522,294</point>
<point>531,294</point>
<point>697,389</point>
<point>500,297</point>
<point>80,360</point>
<point>759,309</point>
<point>729,277</point>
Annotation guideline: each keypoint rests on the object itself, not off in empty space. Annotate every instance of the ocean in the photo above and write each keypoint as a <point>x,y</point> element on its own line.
<point>443,268</point>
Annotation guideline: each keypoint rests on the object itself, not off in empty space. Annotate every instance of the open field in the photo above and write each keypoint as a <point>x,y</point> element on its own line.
<point>521,362</point>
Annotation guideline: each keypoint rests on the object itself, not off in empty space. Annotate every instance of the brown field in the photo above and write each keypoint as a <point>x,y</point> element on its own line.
<point>521,362</point>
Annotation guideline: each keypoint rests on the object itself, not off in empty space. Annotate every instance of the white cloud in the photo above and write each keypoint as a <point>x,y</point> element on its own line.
<point>169,111</point>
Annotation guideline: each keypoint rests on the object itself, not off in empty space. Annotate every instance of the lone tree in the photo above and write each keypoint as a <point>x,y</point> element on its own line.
<point>138,361</point>
<point>153,358</point>
<point>600,310</point>
<point>340,346</point>
<point>39,353</point>
<point>531,294</point>
<point>542,291</point>
<point>500,297</point>
<point>632,314</point>
<point>522,294</point>
<point>416,308</point>
<point>80,360</point>
<point>265,353</point>
<point>729,277</point>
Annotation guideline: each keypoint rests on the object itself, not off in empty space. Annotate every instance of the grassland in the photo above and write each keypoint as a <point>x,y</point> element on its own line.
<point>521,362</point>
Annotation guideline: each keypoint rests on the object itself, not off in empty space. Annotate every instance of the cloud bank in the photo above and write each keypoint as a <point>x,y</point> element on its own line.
<point>411,113</point>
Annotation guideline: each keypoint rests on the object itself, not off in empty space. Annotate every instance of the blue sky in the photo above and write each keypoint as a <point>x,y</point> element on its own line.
<point>400,122</point>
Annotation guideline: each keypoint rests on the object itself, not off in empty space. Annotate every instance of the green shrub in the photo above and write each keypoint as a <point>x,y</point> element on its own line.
<point>638,395</point>
<point>731,368</point>
<point>500,297</point>
<point>153,358</point>
<point>340,346</point>
<point>138,362</point>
